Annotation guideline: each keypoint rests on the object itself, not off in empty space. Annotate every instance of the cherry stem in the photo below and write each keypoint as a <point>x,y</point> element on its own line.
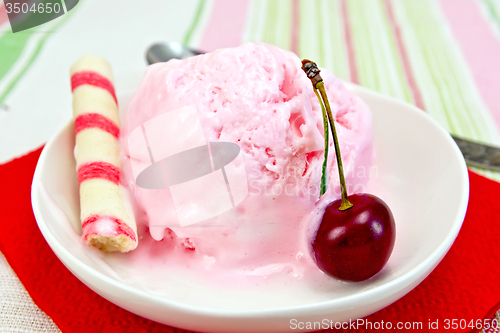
<point>312,72</point>
<point>346,204</point>
<point>327,141</point>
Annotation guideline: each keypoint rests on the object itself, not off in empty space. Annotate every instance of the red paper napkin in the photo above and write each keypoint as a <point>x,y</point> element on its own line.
<point>465,285</point>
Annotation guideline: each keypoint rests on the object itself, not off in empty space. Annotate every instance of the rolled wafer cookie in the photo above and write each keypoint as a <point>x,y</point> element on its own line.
<point>107,220</point>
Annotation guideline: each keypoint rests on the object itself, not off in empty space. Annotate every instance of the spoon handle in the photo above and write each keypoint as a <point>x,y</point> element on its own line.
<point>479,155</point>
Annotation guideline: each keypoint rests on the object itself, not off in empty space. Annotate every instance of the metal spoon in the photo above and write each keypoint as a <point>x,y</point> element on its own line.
<point>162,52</point>
<point>475,154</point>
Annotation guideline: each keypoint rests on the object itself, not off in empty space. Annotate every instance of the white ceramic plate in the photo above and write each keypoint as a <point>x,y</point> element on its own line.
<point>420,173</point>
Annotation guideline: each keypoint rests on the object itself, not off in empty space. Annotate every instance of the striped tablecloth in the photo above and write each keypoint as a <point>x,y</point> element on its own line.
<point>443,56</point>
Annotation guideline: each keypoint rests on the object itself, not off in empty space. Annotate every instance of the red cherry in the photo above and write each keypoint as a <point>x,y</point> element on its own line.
<point>357,233</point>
<point>356,243</point>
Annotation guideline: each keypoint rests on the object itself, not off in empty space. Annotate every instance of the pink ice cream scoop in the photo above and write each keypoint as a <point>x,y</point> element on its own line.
<point>223,153</point>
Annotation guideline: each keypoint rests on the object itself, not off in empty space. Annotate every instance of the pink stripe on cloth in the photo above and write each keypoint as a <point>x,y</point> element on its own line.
<point>417,96</point>
<point>3,14</point>
<point>353,70</point>
<point>295,26</point>
<point>480,47</point>
<point>226,25</point>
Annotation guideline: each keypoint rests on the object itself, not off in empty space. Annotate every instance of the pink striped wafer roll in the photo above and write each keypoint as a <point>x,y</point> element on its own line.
<point>107,220</point>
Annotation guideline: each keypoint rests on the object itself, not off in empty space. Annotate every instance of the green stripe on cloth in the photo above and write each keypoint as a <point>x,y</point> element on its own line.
<point>34,52</point>
<point>335,50</point>
<point>321,36</point>
<point>379,64</point>
<point>277,27</point>
<point>11,46</point>
<point>493,9</point>
<point>195,23</point>
<point>309,28</point>
<point>448,89</point>
<point>322,28</point>
<point>254,24</point>
<point>441,73</point>
<point>270,22</point>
